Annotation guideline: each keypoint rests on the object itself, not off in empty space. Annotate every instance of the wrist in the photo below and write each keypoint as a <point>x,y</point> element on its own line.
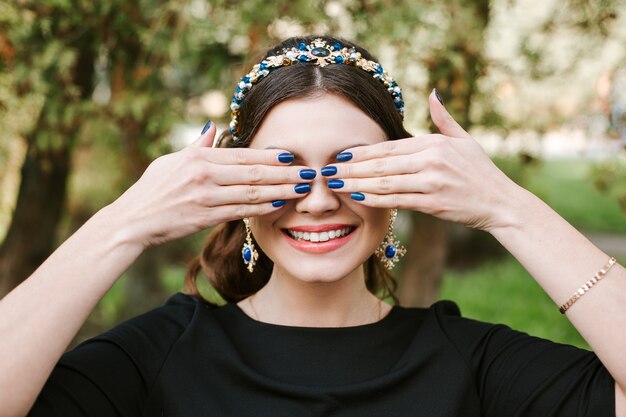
<point>515,210</point>
<point>111,224</point>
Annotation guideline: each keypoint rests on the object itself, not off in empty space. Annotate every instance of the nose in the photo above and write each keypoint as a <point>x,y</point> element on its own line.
<point>320,200</point>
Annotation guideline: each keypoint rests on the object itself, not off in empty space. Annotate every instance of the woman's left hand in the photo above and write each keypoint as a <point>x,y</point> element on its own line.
<point>447,175</point>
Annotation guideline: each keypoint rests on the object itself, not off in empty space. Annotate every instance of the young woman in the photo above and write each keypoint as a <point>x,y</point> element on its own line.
<point>303,191</point>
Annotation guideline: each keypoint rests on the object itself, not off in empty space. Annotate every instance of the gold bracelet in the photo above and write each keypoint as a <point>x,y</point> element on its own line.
<point>587,286</point>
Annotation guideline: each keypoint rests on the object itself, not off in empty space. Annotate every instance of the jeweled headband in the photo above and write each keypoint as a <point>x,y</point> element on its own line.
<point>319,53</point>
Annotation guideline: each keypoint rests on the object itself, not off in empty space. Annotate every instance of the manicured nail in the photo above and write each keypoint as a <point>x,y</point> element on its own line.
<point>438,96</point>
<point>206,127</point>
<point>278,203</point>
<point>285,157</point>
<point>302,188</point>
<point>335,184</point>
<point>357,196</point>
<point>344,156</point>
<point>307,174</point>
<point>329,170</point>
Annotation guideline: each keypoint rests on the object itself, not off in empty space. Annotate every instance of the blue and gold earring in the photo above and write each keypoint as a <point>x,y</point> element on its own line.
<point>390,250</point>
<point>248,252</point>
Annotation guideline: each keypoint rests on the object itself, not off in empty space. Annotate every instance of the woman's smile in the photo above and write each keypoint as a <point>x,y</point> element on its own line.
<point>319,238</point>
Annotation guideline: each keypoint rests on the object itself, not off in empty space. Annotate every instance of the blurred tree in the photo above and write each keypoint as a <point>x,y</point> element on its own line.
<point>454,69</point>
<point>53,57</point>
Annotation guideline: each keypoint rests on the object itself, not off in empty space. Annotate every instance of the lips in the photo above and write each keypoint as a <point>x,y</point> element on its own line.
<point>319,238</point>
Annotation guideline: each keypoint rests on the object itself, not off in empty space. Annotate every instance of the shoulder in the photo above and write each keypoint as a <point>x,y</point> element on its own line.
<point>148,339</point>
<point>167,321</point>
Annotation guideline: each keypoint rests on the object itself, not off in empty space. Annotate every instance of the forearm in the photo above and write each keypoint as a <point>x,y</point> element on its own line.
<point>39,318</point>
<point>561,260</point>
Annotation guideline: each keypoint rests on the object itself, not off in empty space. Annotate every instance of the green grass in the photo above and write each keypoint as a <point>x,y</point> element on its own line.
<point>567,186</point>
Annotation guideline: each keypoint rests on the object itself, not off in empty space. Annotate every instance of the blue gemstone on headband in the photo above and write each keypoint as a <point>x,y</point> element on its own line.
<point>337,46</point>
<point>390,251</point>
<point>379,69</point>
<point>302,46</point>
<point>246,79</point>
<point>399,104</point>
<point>238,89</point>
<point>303,58</point>
<point>321,52</point>
<point>262,66</point>
<point>339,59</point>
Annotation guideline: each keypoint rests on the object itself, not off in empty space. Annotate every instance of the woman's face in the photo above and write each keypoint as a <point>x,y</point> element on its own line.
<point>315,130</point>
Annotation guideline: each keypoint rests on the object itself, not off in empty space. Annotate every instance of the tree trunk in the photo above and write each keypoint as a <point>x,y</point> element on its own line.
<point>43,188</point>
<point>425,260</point>
<point>454,72</point>
<point>31,235</point>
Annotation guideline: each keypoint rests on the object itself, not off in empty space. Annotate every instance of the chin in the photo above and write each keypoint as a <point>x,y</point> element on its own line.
<point>318,271</point>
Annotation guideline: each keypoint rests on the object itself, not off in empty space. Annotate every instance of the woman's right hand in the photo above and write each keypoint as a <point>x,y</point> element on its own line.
<point>198,187</point>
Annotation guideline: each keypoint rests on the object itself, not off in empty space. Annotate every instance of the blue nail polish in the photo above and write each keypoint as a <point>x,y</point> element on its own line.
<point>438,96</point>
<point>335,184</point>
<point>328,170</point>
<point>285,157</point>
<point>307,174</point>
<point>344,156</point>
<point>206,127</point>
<point>302,188</point>
<point>357,196</point>
<point>278,203</point>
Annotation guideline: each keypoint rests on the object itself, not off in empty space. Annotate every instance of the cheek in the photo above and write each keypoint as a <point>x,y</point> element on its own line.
<point>376,222</point>
<point>263,231</point>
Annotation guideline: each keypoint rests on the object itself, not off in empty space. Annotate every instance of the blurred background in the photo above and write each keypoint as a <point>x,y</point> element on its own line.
<point>91,92</point>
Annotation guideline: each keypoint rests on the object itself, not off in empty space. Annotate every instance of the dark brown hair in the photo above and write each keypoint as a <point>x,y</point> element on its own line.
<point>220,259</point>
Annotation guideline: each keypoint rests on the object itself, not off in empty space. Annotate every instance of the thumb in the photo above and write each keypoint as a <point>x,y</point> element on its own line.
<point>206,137</point>
<point>442,119</point>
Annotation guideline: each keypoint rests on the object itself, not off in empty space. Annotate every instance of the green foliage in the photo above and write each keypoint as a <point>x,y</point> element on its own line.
<point>567,187</point>
<point>609,178</point>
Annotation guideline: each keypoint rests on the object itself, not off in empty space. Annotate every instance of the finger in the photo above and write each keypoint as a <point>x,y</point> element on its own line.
<point>443,120</point>
<point>377,167</point>
<point>207,137</point>
<point>417,202</point>
<point>388,148</point>
<point>409,183</point>
<point>246,156</point>
<point>232,212</point>
<point>256,194</point>
<point>261,174</point>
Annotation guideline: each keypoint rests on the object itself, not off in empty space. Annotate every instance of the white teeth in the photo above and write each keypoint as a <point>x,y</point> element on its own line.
<point>319,237</point>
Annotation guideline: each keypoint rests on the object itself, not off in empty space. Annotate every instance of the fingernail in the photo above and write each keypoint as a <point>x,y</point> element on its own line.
<point>302,188</point>
<point>285,157</point>
<point>344,156</point>
<point>206,127</point>
<point>335,184</point>
<point>307,174</point>
<point>438,96</point>
<point>357,196</point>
<point>329,170</point>
<point>278,203</point>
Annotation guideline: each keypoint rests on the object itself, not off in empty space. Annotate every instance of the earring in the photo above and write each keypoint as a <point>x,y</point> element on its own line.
<point>248,252</point>
<point>390,251</point>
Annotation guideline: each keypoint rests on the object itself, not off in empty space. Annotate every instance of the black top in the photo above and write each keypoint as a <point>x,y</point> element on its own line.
<point>187,359</point>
